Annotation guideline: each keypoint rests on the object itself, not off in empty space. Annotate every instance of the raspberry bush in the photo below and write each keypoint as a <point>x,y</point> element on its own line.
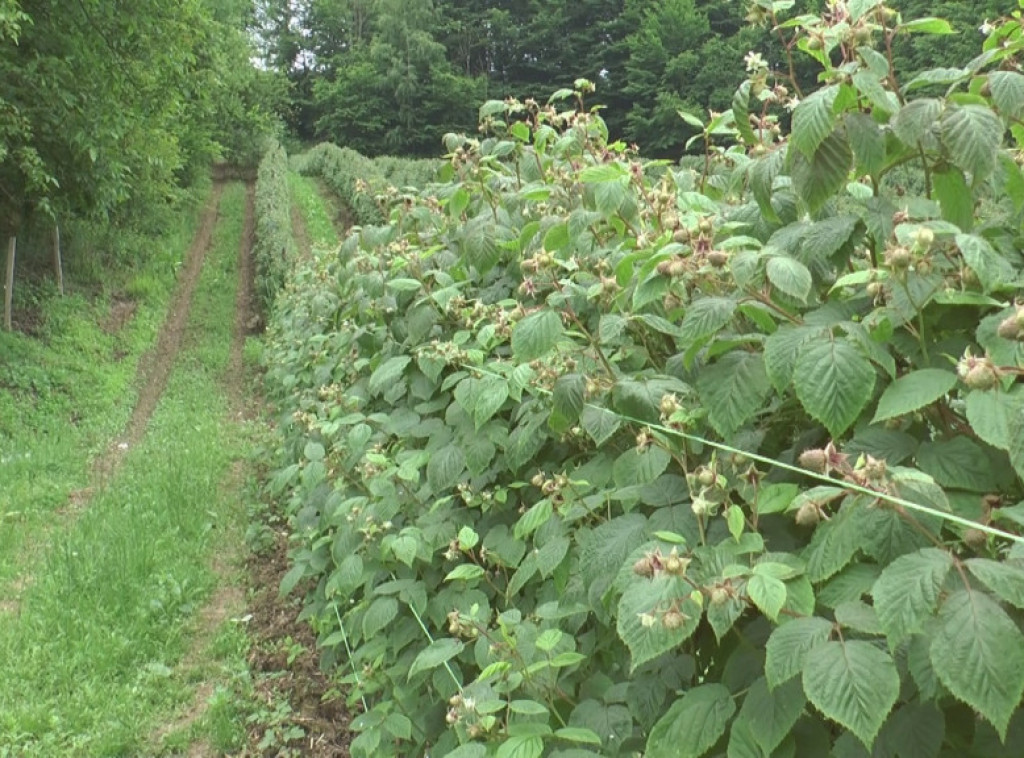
<point>588,455</point>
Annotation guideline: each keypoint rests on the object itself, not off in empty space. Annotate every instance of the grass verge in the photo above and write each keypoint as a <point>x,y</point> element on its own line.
<point>314,211</point>
<point>91,661</point>
<point>66,390</point>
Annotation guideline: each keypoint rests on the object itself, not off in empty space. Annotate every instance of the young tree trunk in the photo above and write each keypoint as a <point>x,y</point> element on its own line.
<point>12,246</point>
<point>58,267</point>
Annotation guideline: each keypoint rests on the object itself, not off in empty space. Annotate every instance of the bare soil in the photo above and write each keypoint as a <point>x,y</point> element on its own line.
<point>300,233</point>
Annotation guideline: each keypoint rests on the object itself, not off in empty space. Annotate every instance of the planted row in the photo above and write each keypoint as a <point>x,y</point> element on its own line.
<point>273,246</point>
<point>588,455</point>
<point>361,182</point>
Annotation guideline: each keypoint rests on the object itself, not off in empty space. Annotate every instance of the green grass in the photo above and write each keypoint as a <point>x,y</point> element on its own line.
<point>66,392</point>
<point>88,665</point>
<point>314,210</point>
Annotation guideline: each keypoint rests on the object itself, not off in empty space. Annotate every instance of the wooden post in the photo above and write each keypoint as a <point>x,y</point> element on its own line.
<point>58,267</point>
<point>12,246</point>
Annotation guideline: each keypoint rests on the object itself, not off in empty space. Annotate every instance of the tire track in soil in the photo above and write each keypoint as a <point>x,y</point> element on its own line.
<point>151,377</point>
<point>300,234</point>
<point>228,599</point>
<point>155,367</point>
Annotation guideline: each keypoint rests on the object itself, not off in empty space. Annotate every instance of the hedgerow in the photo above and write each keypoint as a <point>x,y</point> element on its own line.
<point>361,183</point>
<point>587,455</point>
<point>273,246</point>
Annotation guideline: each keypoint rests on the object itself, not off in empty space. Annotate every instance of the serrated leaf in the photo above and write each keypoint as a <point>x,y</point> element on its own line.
<point>387,373</point>
<point>536,335</point>
<point>866,137</point>
<point>771,713</point>
<point>722,616</point>
<point>927,25</point>
<point>705,317</point>
<point>763,172</point>
<point>781,351</point>
<point>993,270</point>
<point>916,119</point>
<point>693,724</point>
<point>906,593</point>
<point>768,594</point>
<point>381,612</point>
<point>445,468</point>
<point>857,615</point>
<point>818,178</point>
<point>833,382</point>
<point>652,597</point>
<point>578,734</point>
<point>1007,89</point>
<point>973,134</point>
<point>788,645</point>
<point>438,652</point>
<point>465,573</point>
<point>521,746</point>
<point>834,542</point>
<point>481,397</point>
<point>599,423</point>
<point>733,390</point>
<point>790,276</point>
<point>853,683</point>
<point>814,120</point>
<point>977,652</point>
<point>1004,579</point>
<point>568,396</point>
<point>954,196</point>
<point>991,415</point>
<point>913,391</point>
<point>958,463</point>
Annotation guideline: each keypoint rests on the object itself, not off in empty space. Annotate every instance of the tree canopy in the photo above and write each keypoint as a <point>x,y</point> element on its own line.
<point>393,76</point>
<point>107,106</point>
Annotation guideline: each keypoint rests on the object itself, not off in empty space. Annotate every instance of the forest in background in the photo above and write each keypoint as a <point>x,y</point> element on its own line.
<point>393,76</point>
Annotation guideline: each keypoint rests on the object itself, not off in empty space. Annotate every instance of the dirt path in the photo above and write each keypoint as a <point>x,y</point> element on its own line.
<point>155,366</point>
<point>228,599</point>
<point>300,233</point>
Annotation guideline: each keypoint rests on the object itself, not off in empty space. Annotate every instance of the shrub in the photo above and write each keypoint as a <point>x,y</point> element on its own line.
<point>273,246</point>
<point>589,456</point>
<point>361,182</point>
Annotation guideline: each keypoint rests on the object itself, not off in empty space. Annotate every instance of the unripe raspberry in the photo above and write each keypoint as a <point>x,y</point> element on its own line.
<point>975,538</point>
<point>981,377</point>
<point>874,289</point>
<point>669,405</point>
<point>706,476</point>
<point>644,567</point>
<point>719,595</point>
<point>814,459</point>
<point>923,238</point>
<point>808,515</point>
<point>875,468</point>
<point>677,268</point>
<point>898,258</point>
<point>673,619</point>
<point>718,258</point>
<point>682,236</point>
<point>1009,328</point>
